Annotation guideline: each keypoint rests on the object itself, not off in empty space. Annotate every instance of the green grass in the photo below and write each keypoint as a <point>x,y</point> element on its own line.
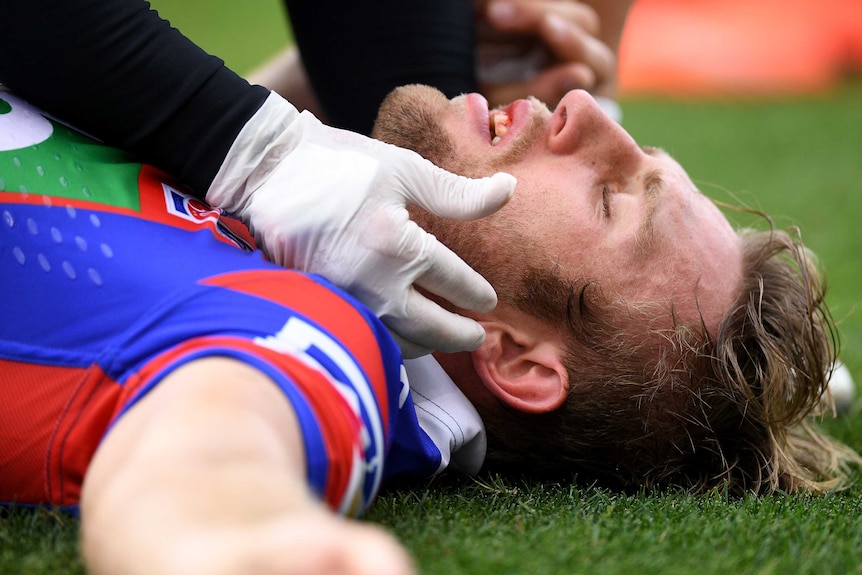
<point>38,542</point>
<point>243,34</point>
<point>797,159</point>
<point>509,527</point>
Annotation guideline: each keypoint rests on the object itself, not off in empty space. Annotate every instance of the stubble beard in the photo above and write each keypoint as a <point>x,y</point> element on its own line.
<point>410,118</point>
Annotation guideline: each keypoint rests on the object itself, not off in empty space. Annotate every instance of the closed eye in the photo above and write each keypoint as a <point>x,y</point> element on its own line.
<point>606,201</point>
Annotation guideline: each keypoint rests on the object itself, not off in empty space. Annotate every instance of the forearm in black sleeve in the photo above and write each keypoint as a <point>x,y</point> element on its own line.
<point>356,52</point>
<point>114,69</point>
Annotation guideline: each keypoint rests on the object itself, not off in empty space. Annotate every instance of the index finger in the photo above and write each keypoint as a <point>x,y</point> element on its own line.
<point>526,16</point>
<point>568,44</point>
<point>451,278</point>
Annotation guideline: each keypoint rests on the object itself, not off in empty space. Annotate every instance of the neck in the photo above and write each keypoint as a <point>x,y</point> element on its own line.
<point>459,366</point>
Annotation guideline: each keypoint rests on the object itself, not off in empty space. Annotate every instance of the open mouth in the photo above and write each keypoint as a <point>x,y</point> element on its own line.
<point>498,124</point>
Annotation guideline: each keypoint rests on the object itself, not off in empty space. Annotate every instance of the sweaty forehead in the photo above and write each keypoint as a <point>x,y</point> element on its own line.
<point>693,261</point>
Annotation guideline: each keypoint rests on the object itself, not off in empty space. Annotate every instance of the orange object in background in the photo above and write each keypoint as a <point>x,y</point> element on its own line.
<point>739,47</point>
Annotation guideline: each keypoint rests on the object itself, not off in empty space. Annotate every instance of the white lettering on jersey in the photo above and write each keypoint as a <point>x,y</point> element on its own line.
<point>297,338</point>
<point>405,387</point>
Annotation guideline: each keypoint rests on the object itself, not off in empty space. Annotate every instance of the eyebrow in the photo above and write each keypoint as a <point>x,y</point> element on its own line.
<point>653,184</point>
<point>653,151</point>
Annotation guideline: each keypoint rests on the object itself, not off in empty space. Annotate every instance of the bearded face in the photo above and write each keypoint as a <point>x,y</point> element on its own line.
<point>412,118</point>
<point>590,203</point>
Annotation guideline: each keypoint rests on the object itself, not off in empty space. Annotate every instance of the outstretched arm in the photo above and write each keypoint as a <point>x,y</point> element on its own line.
<point>206,474</point>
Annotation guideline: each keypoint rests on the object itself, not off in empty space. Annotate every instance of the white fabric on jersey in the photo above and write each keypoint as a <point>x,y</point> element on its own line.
<point>447,416</point>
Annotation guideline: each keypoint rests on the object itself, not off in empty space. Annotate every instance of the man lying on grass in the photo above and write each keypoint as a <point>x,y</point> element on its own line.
<point>200,403</point>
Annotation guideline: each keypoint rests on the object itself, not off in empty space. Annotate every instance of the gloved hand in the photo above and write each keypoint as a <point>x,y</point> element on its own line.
<point>333,202</point>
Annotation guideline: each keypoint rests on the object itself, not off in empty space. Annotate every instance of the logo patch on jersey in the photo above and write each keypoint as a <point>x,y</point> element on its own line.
<point>188,207</point>
<point>193,210</point>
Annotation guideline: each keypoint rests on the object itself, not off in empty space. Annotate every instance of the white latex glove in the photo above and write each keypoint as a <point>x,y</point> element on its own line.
<point>333,202</point>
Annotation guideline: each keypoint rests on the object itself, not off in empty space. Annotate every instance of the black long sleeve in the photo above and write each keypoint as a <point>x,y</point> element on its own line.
<point>115,69</point>
<point>356,52</point>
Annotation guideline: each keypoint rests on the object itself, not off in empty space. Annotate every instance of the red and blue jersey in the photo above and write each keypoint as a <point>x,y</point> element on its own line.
<point>112,276</point>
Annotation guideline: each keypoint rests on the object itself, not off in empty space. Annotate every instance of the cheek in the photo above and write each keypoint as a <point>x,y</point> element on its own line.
<point>524,159</point>
<point>466,159</point>
<point>536,210</point>
<point>553,206</point>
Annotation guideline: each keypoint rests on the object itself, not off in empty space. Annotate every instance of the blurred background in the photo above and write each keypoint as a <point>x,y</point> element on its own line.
<point>243,34</point>
<point>670,47</point>
<point>740,47</point>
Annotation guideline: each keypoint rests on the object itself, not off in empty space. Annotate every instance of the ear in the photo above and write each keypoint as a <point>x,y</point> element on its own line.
<point>522,369</point>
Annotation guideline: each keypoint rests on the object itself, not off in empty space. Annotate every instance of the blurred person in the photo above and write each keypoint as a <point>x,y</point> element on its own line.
<point>503,49</point>
<point>200,403</point>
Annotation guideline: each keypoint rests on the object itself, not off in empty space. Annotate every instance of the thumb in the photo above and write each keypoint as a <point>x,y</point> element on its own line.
<point>451,196</point>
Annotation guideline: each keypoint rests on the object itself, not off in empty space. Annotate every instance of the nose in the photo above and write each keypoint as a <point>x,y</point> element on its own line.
<point>578,124</point>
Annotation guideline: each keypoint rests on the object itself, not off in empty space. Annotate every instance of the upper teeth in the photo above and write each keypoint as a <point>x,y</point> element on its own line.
<point>500,122</point>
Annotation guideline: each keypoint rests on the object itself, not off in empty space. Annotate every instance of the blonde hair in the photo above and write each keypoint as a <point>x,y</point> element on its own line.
<point>680,406</point>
